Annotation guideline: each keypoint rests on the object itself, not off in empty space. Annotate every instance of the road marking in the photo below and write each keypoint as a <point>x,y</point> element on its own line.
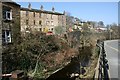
<point>109,63</point>
<point>112,48</point>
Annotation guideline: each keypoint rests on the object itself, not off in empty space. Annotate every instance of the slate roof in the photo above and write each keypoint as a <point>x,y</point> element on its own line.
<point>9,1</point>
<point>43,11</point>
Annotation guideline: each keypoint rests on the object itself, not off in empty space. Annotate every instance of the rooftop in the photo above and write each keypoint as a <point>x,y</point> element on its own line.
<point>43,11</point>
<point>9,1</point>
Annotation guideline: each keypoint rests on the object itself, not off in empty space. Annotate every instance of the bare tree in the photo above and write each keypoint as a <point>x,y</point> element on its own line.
<point>69,20</point>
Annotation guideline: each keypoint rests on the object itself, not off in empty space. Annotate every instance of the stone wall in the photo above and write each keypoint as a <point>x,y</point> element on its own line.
<point>0,38</point>
<point>49,20</point>
<point>14,24</point>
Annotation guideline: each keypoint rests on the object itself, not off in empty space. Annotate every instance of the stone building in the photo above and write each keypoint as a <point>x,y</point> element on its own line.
<point>41,20</point>
<point>9,26</point>
<point>9,22</point>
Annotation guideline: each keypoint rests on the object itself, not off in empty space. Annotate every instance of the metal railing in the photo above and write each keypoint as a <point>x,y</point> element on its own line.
<point>101,72</point>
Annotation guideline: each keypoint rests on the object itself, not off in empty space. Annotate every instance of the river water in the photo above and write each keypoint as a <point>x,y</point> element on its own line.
<point>67,71</point>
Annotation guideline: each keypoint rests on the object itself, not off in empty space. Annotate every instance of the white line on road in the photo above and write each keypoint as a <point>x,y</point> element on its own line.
<point>115,49</point>
<point>112,48</point>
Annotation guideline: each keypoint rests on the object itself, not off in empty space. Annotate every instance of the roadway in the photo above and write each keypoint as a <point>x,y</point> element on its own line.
<point>112,51</point>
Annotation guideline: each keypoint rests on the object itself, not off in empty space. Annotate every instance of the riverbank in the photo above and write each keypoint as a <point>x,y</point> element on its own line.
<point>74,70</point>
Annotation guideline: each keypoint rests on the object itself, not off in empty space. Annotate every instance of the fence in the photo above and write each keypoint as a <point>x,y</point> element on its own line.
<point>102,68</point>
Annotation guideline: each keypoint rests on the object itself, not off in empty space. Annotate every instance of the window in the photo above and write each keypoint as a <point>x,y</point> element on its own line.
<point>47,15</point>
<point>47,23</point>
<point>42,14</point>
<point>40,22</point>
<point>34,22</point>
<point>51,16</point>
<point>40,29</point>
<point>52,29</point>
<point>58,17</point>
<point>39,15</point>
<point>52,23</point>
<point>8,15</point>
<point>27,13</point>
<point>34,14</point>
<point>49,29</point>
<point>26,22</point>
<point>6,36</point>
<point>43,29</point>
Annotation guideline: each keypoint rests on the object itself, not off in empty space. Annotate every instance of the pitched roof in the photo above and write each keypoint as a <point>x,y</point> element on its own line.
<point>6,0</point>
<point>10,1</point>
<point>43,11</point>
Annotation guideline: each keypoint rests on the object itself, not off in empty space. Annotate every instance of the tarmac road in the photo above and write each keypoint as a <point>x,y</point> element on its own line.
<point>112,52</point>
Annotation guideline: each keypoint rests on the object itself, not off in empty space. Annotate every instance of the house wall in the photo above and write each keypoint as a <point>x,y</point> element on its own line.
<point>0,38</point>
<point>14,24</point>
<point>0,24</point>
<point>48,20</point>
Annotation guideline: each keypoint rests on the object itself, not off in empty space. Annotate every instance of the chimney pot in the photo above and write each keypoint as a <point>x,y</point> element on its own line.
<point>29,6</point>
<point>41,8</point>
<point>53,9</point>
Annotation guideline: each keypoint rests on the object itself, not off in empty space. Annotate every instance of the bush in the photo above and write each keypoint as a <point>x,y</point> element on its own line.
<point>24,55</point>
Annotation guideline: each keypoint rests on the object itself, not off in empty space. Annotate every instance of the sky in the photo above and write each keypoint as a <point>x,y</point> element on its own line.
<point>88,11</point>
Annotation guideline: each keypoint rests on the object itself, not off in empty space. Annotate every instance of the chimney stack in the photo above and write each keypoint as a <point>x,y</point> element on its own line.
<point>41,8</point>
<point>29,6</point>
<point>53,9</point>
<point>64,13</point>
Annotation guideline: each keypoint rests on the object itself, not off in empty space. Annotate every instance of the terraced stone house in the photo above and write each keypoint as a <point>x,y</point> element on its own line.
<point>41,20</point>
